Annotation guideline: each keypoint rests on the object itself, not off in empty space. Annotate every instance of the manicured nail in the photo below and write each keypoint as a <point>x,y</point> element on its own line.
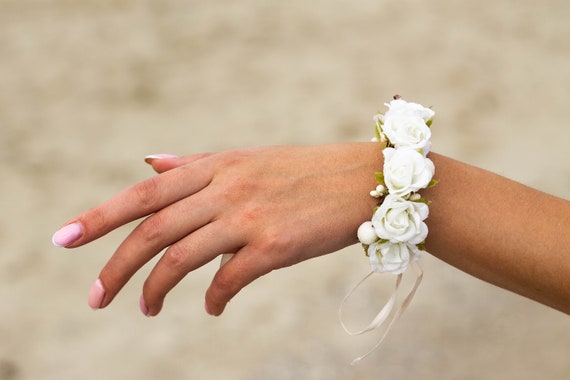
<point>142,305</point>
<point>207,309</point>
<point>67,235</point>
<point>152,157</point>
<point>96,294</point>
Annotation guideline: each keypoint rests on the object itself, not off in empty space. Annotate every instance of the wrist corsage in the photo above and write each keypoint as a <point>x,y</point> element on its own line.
<point>395,237</point>
<point>396,234</point>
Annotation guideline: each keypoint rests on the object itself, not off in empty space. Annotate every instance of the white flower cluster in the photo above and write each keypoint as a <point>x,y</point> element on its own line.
<point>397,231</point>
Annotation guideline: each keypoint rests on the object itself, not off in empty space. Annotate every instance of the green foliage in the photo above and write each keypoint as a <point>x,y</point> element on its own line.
<point>380,178</point>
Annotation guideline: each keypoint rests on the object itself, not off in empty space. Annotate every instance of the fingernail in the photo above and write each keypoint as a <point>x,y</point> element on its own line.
<point>67,235</point>
<point>207,309</point>
<point>96,294</point>
<point>142,305</point>
<point>159,156</point>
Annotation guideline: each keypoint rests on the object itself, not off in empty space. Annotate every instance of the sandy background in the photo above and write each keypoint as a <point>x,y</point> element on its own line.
<point>88,88</point>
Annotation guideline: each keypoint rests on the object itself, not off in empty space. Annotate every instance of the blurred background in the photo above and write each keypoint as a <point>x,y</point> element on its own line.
<point>88,88</point>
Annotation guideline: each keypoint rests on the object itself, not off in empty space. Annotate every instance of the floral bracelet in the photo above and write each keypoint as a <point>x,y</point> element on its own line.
<point>395,237</point>
<point>396,234</point>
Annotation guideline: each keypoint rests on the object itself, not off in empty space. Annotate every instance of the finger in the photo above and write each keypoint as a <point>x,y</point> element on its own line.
<point>186,255</point>
<point>135,202</point>
<point>151,236</point>
<point>164,162</point>
<point>246,265</point>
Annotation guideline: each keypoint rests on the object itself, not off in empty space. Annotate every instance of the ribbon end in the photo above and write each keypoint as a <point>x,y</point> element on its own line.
<point>355,362</point>
<point>383,315</point>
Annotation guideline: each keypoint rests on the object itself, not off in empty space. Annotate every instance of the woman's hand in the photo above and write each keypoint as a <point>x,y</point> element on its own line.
<point>272,207</point>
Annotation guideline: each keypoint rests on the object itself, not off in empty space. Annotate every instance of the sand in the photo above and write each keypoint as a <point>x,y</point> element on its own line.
<point>88,88</point>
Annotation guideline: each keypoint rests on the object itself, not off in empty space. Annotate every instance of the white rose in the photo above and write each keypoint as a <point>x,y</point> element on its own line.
<point>391,257</point>
<point>413,109</point>
<point>406,171</point>
<point>401,221</point>
<point>407,131</point>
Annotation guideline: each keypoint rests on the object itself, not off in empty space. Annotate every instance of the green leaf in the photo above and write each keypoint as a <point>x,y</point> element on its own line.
<point>432,183</point>
<point>380,178</point>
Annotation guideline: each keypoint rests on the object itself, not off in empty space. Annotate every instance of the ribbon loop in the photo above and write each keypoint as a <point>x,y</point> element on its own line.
<point>386,310</point>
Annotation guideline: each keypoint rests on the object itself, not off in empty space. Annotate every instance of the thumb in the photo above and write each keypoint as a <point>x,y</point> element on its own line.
<point>163,162</point>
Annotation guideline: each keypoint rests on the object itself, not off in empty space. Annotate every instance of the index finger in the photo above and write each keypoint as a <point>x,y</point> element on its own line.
<point>139,200</point>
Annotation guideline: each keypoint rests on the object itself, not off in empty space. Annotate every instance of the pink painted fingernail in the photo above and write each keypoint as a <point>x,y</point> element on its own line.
<point>207,308</point>
<point>159,156</point>
<point>96,294</point>
<point>142,305</point>
<point>67,235</point>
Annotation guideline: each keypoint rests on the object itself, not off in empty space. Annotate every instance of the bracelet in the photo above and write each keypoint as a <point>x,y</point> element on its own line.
<point>395,237</point>
<point>396,234</point>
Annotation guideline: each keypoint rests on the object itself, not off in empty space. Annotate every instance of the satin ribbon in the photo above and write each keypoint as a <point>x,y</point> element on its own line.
<point>382,315</point>
<point>386,310</point>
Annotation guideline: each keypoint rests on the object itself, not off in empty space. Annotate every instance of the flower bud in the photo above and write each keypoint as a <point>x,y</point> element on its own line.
<point>415,197</point>
<point>366,233</point>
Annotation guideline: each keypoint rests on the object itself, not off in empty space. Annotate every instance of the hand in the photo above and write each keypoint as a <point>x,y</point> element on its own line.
<point>272,207</point>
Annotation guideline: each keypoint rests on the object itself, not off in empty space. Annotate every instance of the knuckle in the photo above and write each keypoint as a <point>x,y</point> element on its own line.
<point>234,173</point>
<point>275,247</point>
<point>235,190</point>
<point>227,160</point>
<point>146,193</point>
<point>274,237</point>
<point>175,257</point>
<point>95,220</point>
<point>151,229</point>
<point>247,215</point>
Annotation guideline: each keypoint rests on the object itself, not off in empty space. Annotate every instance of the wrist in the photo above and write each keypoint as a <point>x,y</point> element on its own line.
<point>394,237</point>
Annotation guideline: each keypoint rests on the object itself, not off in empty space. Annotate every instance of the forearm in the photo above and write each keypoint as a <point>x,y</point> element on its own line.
<point>501,232</point>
